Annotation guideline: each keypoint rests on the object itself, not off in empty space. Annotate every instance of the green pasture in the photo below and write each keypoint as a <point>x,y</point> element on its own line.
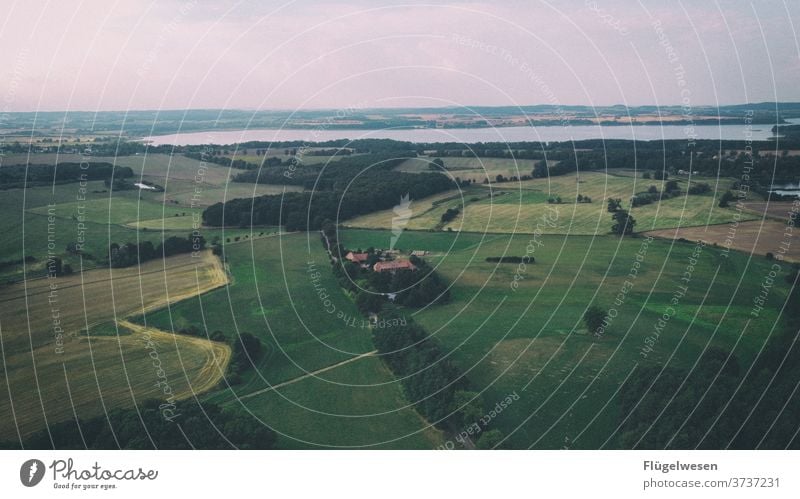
<point>529,338</point>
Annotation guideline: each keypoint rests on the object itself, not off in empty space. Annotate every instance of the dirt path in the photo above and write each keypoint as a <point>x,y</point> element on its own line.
<point>307,375</point>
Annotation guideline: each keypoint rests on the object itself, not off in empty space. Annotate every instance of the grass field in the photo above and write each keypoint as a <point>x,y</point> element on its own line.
<point>45,220</point>
<point>519,206</point>
<point>54,372</point>
<point>334,413</point>
<point>117,210</point>
<point>233,190</point>
<point>249,155</point>
<point>511,330</point>
<point>531,340</point>
<point>273,297</point>
<point>477,169</point>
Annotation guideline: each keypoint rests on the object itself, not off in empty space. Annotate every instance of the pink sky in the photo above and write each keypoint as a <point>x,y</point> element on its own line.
<point>175,54</point>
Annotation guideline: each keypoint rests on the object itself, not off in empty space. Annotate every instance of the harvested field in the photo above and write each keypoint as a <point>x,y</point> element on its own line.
<point>94,375</point>
<point>54,371</point>
<point>778,210</point>
<point>27,316</point>
<point>750,237</point>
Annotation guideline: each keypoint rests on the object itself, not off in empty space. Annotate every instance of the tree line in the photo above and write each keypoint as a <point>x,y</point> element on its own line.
<point>20,175</point>
<point>435,385</point>
<point>129,254</point>
<point>343,192</point>
<point>195,425</point>
<point>741,407</point>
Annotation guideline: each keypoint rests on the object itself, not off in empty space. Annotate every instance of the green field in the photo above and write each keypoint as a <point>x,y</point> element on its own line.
<point>511,330</point>
<point>101,217</point>
<point>531,340</point>
<point>117,210</point>
<point>337,412</point>
<point>32,232</point>
<point>513,207</point>
<point>273,297</point>
<point>477,169</point>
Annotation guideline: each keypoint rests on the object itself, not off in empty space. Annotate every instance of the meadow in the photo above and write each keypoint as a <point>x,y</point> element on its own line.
<point>512,207</point>
<point>521,331</point>
<point>284,293</point>
<point>476,169</point>
<point>512,330</point>
<point>48,218</point>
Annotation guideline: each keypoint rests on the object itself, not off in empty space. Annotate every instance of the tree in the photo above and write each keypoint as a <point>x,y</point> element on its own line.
<point>449,215</point>
<point>54,266</point>
<point>490,440</point>
<point>151,425</point>
<point>623,223</point>
<point>646,175</point>
<point>467,408</point>
<point>251,345</point>
<point>726,199</point>
<point>540,170</point>
<point>614,204</point>
<point>671,187</point>
<point>73,248</point>
<point>660,175</point>
<point>594,317</point>
<point>368,302</point>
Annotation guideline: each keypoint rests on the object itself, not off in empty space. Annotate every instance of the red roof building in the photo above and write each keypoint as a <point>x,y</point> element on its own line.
<point>393,266</point>
<point>357,257</point>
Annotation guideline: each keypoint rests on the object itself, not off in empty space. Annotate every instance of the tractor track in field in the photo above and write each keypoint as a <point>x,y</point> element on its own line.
<point>305,376</point>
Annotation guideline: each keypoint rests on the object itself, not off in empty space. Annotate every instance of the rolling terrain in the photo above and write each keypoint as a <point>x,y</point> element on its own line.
<point>521,331</point>
<point>68,352</point>
<point>518,207</point>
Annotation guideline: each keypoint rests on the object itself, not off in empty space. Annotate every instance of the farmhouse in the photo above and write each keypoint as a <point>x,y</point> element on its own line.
<point>357,257</point>
<point>394,266</point>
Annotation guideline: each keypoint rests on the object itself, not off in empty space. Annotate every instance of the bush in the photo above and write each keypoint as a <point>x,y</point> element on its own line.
<point>509,259</point>
<point>450,215</point>
<point>594,317</point>
<point>700,188</point>
<point>623,223</point>
<point>726,199</point>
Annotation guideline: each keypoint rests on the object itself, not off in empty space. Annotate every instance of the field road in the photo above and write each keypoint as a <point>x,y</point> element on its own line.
<point>307,375</point>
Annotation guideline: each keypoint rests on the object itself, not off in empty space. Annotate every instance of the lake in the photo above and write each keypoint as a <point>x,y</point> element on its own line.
<point>473,135</point>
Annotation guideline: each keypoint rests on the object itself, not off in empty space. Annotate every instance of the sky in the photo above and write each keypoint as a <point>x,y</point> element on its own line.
<point>350,54</point>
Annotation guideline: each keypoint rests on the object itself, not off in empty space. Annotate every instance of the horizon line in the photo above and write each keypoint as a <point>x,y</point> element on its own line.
<point>400,108</point>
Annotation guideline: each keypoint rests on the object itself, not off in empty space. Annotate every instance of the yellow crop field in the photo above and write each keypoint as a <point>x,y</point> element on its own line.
<point>53,371</point>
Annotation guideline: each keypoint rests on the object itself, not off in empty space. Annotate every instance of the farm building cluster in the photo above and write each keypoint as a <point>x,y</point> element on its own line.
<point>384,260</point>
